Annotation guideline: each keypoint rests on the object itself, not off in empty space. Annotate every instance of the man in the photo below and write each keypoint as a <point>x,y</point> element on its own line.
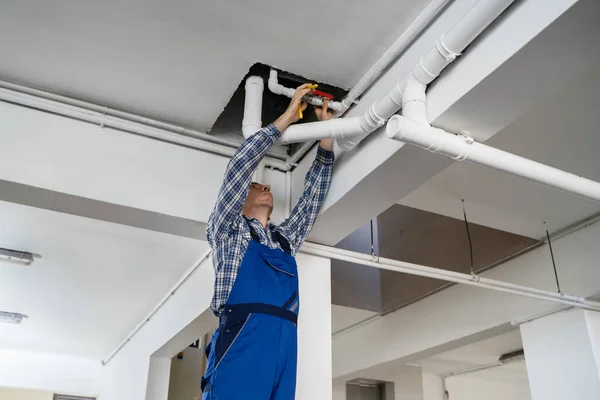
<point>253,353</point>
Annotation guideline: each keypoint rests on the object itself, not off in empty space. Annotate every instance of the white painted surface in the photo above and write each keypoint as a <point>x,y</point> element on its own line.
<point>480,354</point>
<point>181,61</point>
<point>24,394</point>
<point>314,328</point>
<point>459,315</point>
<point>512,204</point>
<point>378,166</point>
<point>78,158</point>
<point>560,358</point>
<point>408,384</point>
<point>49,372</point>
<point>158,378</point>
<point>342,317</point>
<point>92,286</point>
<point>433,386</point>
<point>126,376</point>
<point>470,387</point>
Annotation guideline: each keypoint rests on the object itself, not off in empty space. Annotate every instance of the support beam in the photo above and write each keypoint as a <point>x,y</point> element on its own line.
<point>478,79</point>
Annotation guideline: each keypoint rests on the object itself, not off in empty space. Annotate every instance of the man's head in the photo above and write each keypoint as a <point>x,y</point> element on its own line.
<point>259,202</point>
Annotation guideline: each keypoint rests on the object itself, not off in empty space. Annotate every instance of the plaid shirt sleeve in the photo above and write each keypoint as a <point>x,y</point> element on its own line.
<point>236,183</point>
<point>302,218</point>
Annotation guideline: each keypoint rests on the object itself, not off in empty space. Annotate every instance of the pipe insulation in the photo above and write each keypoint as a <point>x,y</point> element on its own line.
<point>252,121</point>
<point>426,17</point>
<point>463,148</point>
<point>333,128</point>
<point>444,52</point>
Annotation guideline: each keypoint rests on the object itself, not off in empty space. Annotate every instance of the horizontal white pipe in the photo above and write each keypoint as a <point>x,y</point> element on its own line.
<point>425,18</point>
<point>483,13</point>
<point>333,128</point>
<point>277,88</point>
<point>465,148</point>
<point>252,121</point>
<point>161,303</point>
<point>103,120</point>
<point>456,277</point>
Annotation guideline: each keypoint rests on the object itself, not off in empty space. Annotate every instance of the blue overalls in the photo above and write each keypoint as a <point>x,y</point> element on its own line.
<point>253,353</point>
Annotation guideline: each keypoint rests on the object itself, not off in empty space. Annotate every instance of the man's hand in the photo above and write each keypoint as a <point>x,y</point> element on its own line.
<point>323,114</point>
<point>291,114</point>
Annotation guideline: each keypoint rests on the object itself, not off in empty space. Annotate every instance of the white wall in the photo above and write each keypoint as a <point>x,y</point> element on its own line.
<point>126,376</point>
<point>466,387</point>
<point>339,389</point>
<point>24,394</point>
<point>49,372</point>
<point>461,314</point>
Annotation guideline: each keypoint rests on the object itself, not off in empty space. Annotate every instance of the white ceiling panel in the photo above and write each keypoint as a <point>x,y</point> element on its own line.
<point>94,283</point>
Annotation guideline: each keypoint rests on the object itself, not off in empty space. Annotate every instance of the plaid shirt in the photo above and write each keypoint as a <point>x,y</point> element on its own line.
<point>228,230</point>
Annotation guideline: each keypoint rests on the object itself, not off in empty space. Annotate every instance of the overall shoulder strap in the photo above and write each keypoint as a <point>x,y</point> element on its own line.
<point>283,242</point>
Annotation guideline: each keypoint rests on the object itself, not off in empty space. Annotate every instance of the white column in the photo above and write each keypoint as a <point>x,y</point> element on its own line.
<point>562,353</point>
<point>158,378</point>
<point>433,386</point>
<point>314,329</point>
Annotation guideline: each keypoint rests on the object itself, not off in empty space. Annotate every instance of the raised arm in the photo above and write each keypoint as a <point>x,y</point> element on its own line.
<point>316,184</point>
<point>238,175</point>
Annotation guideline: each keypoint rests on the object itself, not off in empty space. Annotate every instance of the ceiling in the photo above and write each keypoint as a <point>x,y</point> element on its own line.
<point>94,283</point>
<point>479,354</point>
<point>181,60</point>
<point>562,131</point>
<point>343,317</point>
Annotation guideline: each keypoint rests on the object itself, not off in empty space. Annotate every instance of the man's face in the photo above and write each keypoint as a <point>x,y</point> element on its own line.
<point>259,196</point>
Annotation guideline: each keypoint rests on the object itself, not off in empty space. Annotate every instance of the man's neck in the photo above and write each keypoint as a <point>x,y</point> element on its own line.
<point>262,217</point>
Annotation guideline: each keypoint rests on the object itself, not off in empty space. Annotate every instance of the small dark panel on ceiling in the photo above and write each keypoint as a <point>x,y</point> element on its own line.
<point>230,120</point>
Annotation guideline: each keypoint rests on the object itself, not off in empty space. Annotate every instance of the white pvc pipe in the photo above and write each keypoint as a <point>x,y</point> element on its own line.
<point>465,148</point>
<point>288,194</point>
<point>277,88</point>
<point>252,121</point>
<point>450,276</point>
<point>450,45</point>
<point>124,125</point>
<point>333,128</point>
<point>425,18</point>
<point>483,13</point>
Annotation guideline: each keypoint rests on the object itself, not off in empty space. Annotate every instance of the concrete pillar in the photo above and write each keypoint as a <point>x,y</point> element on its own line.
<point>314,329</point>
<point>433,386</point>
<point>562,353</point>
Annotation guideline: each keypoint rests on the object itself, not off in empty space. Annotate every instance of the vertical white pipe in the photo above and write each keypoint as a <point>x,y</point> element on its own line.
<point>288,194</point>
<point>253,106</point>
